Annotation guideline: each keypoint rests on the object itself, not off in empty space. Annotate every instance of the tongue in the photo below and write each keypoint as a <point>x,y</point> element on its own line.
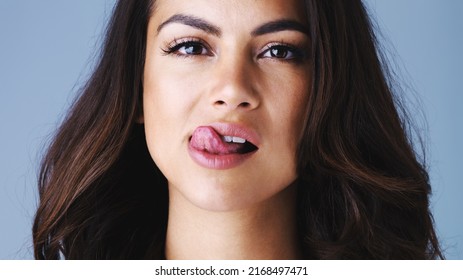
<point>205,138</point>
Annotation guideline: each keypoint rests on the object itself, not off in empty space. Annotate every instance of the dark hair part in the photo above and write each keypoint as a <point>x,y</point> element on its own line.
<point>363,192</point>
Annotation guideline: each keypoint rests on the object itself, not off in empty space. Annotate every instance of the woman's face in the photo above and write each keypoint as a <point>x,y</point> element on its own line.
<point>217,74</point>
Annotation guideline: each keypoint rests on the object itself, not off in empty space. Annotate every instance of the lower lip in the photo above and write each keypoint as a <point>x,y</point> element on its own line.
<point>219,162</point>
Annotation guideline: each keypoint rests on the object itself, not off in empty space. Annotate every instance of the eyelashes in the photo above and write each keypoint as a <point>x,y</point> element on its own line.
<point>193,47</point>
<point>284,51</point>
<point>187,47</point>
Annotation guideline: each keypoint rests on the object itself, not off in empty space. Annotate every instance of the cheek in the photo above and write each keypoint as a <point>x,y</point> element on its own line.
<point>159,106</point>
<point>153,114</point>
<point>164,99</point>
<point>299,104</point>
<point>289,109</point>
<point>286,113</point>
<point>168,104</point>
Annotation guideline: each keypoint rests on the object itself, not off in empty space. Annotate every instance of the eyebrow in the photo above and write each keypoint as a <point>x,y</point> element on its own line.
<point>280,25</point>
<point>266,28</point>
<point>193,22</point>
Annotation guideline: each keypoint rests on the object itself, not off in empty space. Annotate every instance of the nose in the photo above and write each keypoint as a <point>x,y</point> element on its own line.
<point>234,86</point>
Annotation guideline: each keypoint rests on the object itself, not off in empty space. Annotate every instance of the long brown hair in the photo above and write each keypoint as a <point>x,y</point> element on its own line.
<point>363,192</point>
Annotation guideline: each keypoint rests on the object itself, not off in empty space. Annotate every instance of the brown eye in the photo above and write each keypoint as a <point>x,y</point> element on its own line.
<point>187,48</point>
<point>278,52</point>
<point>282,52</point>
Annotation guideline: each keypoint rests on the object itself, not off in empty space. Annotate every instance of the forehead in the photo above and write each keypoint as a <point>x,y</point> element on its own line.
<point>230,14</point>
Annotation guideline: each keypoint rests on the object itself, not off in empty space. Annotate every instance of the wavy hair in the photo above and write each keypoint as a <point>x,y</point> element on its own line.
<point>363,192</point>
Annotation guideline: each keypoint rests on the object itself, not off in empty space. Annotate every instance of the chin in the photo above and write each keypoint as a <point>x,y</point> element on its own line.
<point>221,195</point>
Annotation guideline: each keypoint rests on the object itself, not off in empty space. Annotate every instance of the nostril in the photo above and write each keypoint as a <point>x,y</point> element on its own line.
<point>240,105</point>
<point>245,104</point>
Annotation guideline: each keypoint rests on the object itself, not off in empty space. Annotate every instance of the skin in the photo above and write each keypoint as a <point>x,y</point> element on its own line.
<point>231,76</point>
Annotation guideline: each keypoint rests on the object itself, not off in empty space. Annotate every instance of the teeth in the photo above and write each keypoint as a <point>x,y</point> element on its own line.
<point>233,139</point>
<point>239,140</point>
<point>228,139</point>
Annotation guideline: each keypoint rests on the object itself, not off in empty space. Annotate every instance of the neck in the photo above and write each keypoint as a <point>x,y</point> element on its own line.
<point>265,231</point>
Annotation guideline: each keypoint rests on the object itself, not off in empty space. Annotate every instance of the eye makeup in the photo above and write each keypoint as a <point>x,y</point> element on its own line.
<point>278,50</point>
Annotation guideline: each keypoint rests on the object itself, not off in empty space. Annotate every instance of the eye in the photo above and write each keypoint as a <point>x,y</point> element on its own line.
<point>283,52</point>
<point>191,48</point>
<point>187,47</point>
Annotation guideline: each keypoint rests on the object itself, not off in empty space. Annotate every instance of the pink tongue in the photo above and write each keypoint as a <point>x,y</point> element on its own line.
<point>205,138</point>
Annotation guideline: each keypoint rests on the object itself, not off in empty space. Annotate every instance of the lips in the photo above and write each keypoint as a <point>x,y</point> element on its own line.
<point>222,145</point>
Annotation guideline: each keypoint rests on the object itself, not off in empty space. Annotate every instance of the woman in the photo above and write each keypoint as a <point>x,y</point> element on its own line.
<point>235,130</point>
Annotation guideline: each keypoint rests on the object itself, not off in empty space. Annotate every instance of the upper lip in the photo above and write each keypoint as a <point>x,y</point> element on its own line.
<point>236,130</point>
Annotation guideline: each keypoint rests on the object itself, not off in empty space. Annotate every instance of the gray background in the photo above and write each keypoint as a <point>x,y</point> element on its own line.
<point>47,48</point>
